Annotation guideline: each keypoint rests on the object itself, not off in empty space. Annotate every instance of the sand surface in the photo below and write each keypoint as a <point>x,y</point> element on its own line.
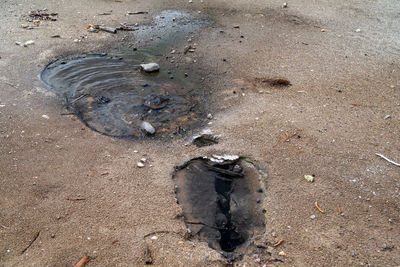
<point>84,193</point>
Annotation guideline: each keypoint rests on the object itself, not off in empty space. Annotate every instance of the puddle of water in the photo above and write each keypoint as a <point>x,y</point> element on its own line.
<point>221,201</point>
<point>112,96</point>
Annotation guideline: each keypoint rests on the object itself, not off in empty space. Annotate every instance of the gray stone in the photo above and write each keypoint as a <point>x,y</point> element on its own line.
<point>150,67</point>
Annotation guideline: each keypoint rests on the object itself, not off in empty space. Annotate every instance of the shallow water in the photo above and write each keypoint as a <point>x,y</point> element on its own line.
<point>112,96</point>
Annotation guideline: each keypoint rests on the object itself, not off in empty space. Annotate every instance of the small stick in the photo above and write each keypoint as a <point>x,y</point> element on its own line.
<point>76,199</point>
<point>316,205</point>
<point>83,261</point>
<point>136,13</point>
<point>388,160</point>
<point>30,243</point>
<point>279,242</point>
<point>156,232</point>
<point>285,139</point>
<point>79,97</point>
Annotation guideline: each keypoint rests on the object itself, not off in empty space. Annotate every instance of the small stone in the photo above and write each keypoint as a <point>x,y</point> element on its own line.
<point>45,117</point>
<point>190,1</point>
<point>140,165</point>
<point>24,26</point>
<point>143,160</point>
<point>236,26</point>
<point>385,246</point>
<point>258,201</point>
<point>322,30</point>
<point>18,43</point>
<point>391,86</point>
<point>282,253</point>
<point>274,234</point>
<point>387,117</point>
<point>30,42</point>
<point>173,52</point>
<point>8,250</point>
<point>76,40</point>
<point>309,178</point>
<point>150,67</point>
<point>357,30</point>
<point>52,235</point>
<point>284,5</point>
<point>148,128</point>
<point>209,116</point>
<point>312,217</point>
<point>390,220</point>
<point>154,237</point>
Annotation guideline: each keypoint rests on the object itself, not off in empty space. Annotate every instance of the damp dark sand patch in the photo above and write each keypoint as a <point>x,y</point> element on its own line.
<point>221,198</point>
<point>112,96</point>
<point>272,82</point>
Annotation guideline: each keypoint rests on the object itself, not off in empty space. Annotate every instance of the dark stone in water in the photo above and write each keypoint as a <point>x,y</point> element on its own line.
<point>108,95</point>
<point>154,101</point>
<point>218,202</point>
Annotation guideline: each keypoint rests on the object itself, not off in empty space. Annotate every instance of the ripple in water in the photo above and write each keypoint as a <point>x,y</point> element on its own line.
<point>114,97</point>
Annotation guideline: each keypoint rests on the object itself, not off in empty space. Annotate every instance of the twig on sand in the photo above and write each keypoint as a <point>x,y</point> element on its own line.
<point>30,243</point>
<point>156,232</point>
<point>83,261</point>
<point>288,136</point>
<point>76,199</point>
<point>279,242</point>
<point>316,205</point>
<point>388,160</point>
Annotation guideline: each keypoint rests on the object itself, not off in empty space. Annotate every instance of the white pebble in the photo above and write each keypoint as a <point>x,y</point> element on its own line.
<point>140,165</point>
<point>45,117</point>
<point>154,237</point>
<point>143,160</point>
<point>312,217</point>
<point>148,128</point>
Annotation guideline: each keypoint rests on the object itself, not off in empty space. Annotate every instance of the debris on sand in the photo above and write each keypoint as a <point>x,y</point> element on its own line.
<point>140,165</point>
<point>388,160</point>
<point>25,44</point>
<point>42,15</point>
<point>309,178</point>
<point>150,67</point>
<point>82,262</point>
<point>32,241</point>
<point>136,12</point>
<point>316,205</point>
<point>106,29</point>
